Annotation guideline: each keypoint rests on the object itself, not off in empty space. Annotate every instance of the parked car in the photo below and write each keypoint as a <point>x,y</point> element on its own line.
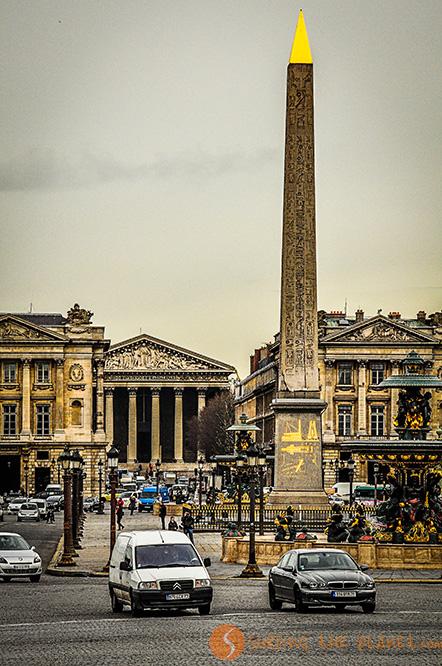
<point>91,504</point>
<point>16,503</point>
<point>18,559</point>
<point>158,569</point>
<point>28,511</point>
<point>42,506</point>
<point>53,489</point>
<point>320,577</point>
<point>127,495</point>
<point>107,494</point>
<point>55,501</point>
<point>1,514</point>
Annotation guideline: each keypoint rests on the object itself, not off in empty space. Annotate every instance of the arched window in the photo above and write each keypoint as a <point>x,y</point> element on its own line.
<point>76,408</point>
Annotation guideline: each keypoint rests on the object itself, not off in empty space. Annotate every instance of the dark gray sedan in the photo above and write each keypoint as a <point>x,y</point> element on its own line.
<point>320,577</point>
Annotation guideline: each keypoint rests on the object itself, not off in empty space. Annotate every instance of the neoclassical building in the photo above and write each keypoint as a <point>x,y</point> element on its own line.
<point>51,394</point>
<point>153,389</point>
<point>355,355</point>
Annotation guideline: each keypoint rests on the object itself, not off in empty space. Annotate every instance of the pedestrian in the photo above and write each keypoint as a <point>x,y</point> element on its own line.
<point>187,524</point>
<point>120,514</point>
<point>50,518</point>
<point>173,525</point>
<point>132,504</point>
<point>163,512</point>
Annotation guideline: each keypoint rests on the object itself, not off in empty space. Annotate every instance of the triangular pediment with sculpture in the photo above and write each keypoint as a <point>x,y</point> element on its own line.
<point>15,329</point>
<point>147,353</point>
<point>378,329</point>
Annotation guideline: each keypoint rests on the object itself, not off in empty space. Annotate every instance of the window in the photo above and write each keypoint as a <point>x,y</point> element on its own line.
<point>43,419</point>
<point>345,374</point>
<point>43,373</point>
<point>42,455</point>
<point>9,373</point>
<point>377,373</point>
<point>377,421</point>
<point>9,419</point>
<point>76,407</point>
<point>344,420</point>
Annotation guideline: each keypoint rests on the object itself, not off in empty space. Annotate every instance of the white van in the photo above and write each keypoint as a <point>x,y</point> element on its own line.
<point>158,569</point>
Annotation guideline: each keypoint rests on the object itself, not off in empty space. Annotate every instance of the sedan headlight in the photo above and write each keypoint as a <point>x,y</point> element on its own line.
<point>148,585</point>
<point>368,584</point>
<point>37,559</point>
<point>3,561</point>
<point>202,582</point>
<point>313,585</point>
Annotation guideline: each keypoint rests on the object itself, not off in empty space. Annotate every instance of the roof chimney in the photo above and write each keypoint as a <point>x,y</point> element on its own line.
<point>421,315</point>
<point>394,315</point>
<point>359,315</point>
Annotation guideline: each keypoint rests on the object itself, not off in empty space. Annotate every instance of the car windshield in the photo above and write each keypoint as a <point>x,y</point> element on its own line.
<point>29,507</point>
<point>166,555</point>
<point>321,561</point>
<point>13,542</point>
<point>148,493</point>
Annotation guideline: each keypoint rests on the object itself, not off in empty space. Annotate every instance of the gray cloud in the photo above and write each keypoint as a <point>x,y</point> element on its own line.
<point>46,169</point>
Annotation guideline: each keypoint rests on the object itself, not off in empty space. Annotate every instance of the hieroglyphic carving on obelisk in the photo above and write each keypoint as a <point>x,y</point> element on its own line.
<point>299,347</point>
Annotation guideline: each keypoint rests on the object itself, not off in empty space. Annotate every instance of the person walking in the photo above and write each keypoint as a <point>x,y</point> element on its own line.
<point>163,512</point>
<point>132,504</point>
<point>120,514</point>
<point>187,524</point>
<point>173,525</point>
<point>50,518</point>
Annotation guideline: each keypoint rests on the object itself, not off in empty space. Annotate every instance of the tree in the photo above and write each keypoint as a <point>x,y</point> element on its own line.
<point>210,428</point>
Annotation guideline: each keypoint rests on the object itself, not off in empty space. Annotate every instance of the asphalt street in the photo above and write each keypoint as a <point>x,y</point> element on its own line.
<point>67,621</point>
<point>44,537</point>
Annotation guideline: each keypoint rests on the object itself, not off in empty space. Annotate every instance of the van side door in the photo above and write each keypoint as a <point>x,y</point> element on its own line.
<point>125,576</point>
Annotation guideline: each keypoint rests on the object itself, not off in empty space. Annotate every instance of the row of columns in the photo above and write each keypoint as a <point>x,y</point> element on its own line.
<point>132,421</point>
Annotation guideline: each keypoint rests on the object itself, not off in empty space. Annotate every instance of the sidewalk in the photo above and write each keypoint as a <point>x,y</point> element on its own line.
<point>94,553</point>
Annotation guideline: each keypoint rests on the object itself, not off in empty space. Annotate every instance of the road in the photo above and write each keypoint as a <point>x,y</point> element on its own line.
<point>68,621</point>
<point>44,537</point>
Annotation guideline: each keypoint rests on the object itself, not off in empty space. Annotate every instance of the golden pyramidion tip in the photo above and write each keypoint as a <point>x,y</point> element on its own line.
<point>301,48</point>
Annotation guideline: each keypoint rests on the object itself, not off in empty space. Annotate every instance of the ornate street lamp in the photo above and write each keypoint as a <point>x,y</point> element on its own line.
<point>262,468</point>
<point>252,570</point>
<point>239,464</point>
<point>337,466</point>
<point>112,464</point>
<point>376,473</point>
<point>157,474</point>
<point>351,472</point>
<point>64,460</point>
<point>100,487</point>
<point>242,431</point>
<point>75,467</point>
<point>200,481</point>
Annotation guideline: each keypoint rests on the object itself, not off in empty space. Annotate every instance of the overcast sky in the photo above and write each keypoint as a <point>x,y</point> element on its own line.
<point>141,161</point>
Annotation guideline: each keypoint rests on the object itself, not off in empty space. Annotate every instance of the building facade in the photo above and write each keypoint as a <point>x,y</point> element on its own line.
<point>51,394</point>
<point>355,355</point>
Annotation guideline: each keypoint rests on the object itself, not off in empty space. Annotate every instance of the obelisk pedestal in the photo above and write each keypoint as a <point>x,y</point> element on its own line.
<point>297,406</point>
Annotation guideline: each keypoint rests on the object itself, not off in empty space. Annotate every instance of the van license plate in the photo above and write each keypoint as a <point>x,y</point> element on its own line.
<point>173,597</point>
<point>343,594</point>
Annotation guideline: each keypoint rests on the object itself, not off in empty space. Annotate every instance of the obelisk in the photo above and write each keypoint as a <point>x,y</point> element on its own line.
<point>297,405</point>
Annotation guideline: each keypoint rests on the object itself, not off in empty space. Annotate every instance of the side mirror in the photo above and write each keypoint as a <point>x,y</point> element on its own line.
<point>207,562</point>
<point>32,547</point>
<point>125,566</point>
<point>290,569</point>
<point>364,567</point>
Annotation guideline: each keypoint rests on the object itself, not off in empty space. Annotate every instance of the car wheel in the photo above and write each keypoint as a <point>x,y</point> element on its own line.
<point>300,606</point>
<point>369,607</point>
<point>274,603</point>
<point>116,604</point>
<point>204,610</point>
<point>35,579</point>
<point>136,612</point>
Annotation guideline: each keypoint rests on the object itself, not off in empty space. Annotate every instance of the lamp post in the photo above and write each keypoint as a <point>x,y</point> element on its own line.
<point>112,463</point>
<point>64,461</point>
<point>241,430</point>
<point>239,467</point>
<point>336,464</point>
<point>351,472</point>
<point>76,470</point>
<point>323,466</point>
<point>200,481</point>
<point>262,468</point>
<point>252,570</point>
<point>100,487</point>
<point>26,471</point>
<point>376,472</point>
<point>157,474</point>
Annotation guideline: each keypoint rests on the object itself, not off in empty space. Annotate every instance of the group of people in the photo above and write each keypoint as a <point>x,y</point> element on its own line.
<point>187,521</point>
<point>286,528</point>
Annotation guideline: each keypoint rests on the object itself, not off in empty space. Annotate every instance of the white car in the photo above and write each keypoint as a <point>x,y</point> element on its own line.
<point>28,512</point>
<point>42,506</point>
<point>18,559</point>
<point>126,495</point>
<point>158,569</point>
<point>16,503</point>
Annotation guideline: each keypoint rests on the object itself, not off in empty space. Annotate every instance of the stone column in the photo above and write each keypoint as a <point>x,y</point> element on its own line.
<point>100,396</point>
<point>362,398</point>
<point>59,396</point>
<point>132,427</point>
<point>109,392</point>
<point>155,442</point>
<point>329,434</point>
<point>26,398</point>
<point>178,446</point>
<point>201,405</point>
<point>394,397</point>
